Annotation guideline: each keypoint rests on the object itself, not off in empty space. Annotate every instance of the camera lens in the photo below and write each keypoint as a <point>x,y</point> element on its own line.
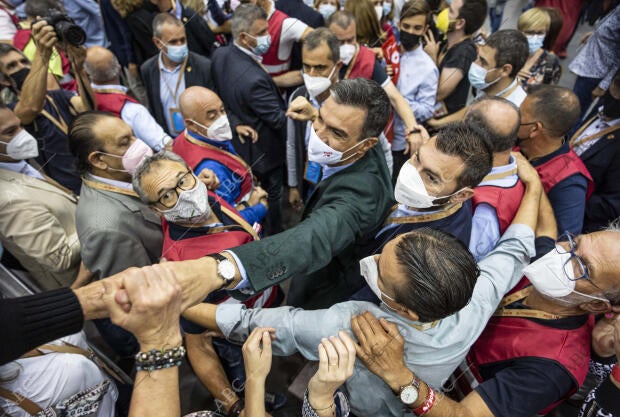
<point>71,33</point>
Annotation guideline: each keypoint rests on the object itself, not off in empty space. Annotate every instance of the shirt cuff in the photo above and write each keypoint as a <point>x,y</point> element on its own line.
<point>227,317</point>
<point>245,283</point>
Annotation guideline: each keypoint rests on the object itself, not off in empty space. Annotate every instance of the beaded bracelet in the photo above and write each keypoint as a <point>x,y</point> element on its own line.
<point>159,359</point>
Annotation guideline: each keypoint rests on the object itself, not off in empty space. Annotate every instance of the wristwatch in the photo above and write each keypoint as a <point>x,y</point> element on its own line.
<point>409,393</point>
<point>225,268</point>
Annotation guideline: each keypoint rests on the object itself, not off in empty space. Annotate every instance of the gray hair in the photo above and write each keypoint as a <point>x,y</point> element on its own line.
<point>367,95</point>
<point>341,18</point>
<point>323,35</point>
<point>105,72</point>
<point>245,15</point>
<point>145,167</point>
<point>160,20</point>
<point>614,226</point>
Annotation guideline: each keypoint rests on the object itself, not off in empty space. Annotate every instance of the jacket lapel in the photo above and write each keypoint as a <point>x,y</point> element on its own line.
<point>134,205</point>
<point>32,182</point>
<point>602,143</point>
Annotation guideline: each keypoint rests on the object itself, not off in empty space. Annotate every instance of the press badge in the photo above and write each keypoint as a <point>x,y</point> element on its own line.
<point>177,120</point>
<point>313,172</point>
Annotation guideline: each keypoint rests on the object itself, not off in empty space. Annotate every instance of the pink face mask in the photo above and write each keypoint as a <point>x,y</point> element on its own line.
<point>133,156</point>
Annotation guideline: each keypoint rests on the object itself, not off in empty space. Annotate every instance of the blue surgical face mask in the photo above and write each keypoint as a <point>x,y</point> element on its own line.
<point>477,77</point>
<point>535,42</point>
<point>387,8</point>
<point>262,44</point>
<point>177,53</point>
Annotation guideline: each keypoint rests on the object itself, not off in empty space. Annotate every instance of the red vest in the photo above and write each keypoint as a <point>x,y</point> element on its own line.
<point>507,338</point>
<point>363,65</point>
<point>195,152</point>
<point>197,247</point>
<point>561,167</point>
<point>271,62</point>
<point>505,201</point>
<point>112,102</point>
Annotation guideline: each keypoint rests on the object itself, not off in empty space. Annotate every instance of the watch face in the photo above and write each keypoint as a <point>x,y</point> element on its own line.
<point>409,395</point>
<point>226,269</point>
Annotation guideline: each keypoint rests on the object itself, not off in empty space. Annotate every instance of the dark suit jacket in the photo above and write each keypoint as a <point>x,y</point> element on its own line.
<point>251,98</point>
<point>344,211</point>
<point>200,39</point>
<point>299,10</point>
<point>603,161</point>
<point>197,72</point>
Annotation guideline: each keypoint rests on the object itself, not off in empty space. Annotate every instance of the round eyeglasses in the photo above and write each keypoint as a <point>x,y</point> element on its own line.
<point>170,197</point>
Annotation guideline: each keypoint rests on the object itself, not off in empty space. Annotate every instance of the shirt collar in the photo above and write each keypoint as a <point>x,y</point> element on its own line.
<point>565,148</point>
<point>226,145</point>
<point>512,164</point>
<point>329,171</point>
<point>119,184</point>
<point>109,86</point>
<point>162,67</point>
<point>21,167</point>
<point>249,53</point>
<point>512,84</point>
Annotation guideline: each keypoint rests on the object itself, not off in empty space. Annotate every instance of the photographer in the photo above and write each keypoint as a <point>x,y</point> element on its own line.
<point>47,114</point>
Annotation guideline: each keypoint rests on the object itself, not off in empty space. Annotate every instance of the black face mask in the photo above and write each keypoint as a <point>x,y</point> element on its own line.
<point>611,106</point>
<point>409,40</point>
<point>19,77</point>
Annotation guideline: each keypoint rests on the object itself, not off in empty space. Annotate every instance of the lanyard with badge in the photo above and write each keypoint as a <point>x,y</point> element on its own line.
<point>175,114</point>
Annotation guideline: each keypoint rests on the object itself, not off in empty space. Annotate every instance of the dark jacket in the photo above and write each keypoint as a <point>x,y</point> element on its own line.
<point>200,39</point>
<point>251,98</point>
<point>197,72</point>
<point>299,10</point>
<point>345,210</point>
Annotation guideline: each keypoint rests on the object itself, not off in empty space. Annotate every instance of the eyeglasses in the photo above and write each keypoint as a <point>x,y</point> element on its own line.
<point>574,263</point>
<point>169,198</point>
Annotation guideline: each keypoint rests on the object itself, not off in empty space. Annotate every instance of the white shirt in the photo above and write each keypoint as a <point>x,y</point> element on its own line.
<point>485,231</point>
<point>167,84</point>
<point>292,31</point>
<point>144,125</point>
<point>595,127</point>
<point>115,183</point>
<point>516,97</point>
<point>7,27</point>
<point>22,167</point>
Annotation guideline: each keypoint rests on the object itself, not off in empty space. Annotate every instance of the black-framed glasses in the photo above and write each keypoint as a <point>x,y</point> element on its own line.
<point>170,197</point>
<point>574,266</point>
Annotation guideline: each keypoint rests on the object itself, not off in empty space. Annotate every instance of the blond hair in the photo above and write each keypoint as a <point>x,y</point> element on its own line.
<point>534,19</point>
<point>126,7</point>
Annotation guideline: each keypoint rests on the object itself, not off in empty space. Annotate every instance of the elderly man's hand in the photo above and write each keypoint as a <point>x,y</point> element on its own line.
<point>381,348</point>
<point>258,195</point>
<point>301,110</point>
<point>244,132</point>
<point>147,304</point>
<point>44,37</point>
<point>336,361</point>
<point>209,179</point>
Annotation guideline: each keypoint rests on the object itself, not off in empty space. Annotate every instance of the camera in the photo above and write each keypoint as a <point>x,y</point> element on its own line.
<point>65,28</point>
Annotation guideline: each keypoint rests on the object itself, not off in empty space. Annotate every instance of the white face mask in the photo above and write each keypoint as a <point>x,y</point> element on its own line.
<point>411,191</point>
<point>370,272</point>
<point>191,207</point>
<point>321,153</point>
<point>22,146</point>
<point>219,130</point>
<point>554,280</point>
<point>346,53</point>
<point>318,85</point>
<point>327,10</point>
<point>379,12</point>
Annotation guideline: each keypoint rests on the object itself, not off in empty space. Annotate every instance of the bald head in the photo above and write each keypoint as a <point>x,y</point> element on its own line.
<point>200,107</point>
<point>499,117</point>
<point>102,66</point>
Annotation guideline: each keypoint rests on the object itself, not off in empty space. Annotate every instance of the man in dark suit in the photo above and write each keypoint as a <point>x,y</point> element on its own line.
<point>200,39</point>
<point>251,98</point>
<point>597,143</point>
<point>347,207</point>
<point>169,73</point>
<point>299,10</point>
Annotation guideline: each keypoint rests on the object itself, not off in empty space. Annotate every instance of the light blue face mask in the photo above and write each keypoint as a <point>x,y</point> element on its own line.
<point>327,10</point>
<point>177,53</point>
<point>262,44</point>
<point>535,42</point>
<point>387,8</point>
<point>477,77</point>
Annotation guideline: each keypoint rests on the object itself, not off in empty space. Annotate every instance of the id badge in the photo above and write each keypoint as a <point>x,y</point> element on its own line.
<point>313,172</point>
<point>177,120</point>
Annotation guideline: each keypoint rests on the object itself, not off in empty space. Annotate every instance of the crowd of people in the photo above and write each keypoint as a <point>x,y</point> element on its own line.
<point>457,230</point>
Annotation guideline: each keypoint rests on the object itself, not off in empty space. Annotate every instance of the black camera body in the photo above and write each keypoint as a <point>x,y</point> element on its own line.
<point>65,28</point>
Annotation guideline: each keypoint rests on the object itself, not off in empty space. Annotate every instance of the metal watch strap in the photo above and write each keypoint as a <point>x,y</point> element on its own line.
<point>415,382</point>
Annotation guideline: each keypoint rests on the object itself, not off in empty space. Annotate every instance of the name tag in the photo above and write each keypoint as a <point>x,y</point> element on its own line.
<point>313,172</point>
